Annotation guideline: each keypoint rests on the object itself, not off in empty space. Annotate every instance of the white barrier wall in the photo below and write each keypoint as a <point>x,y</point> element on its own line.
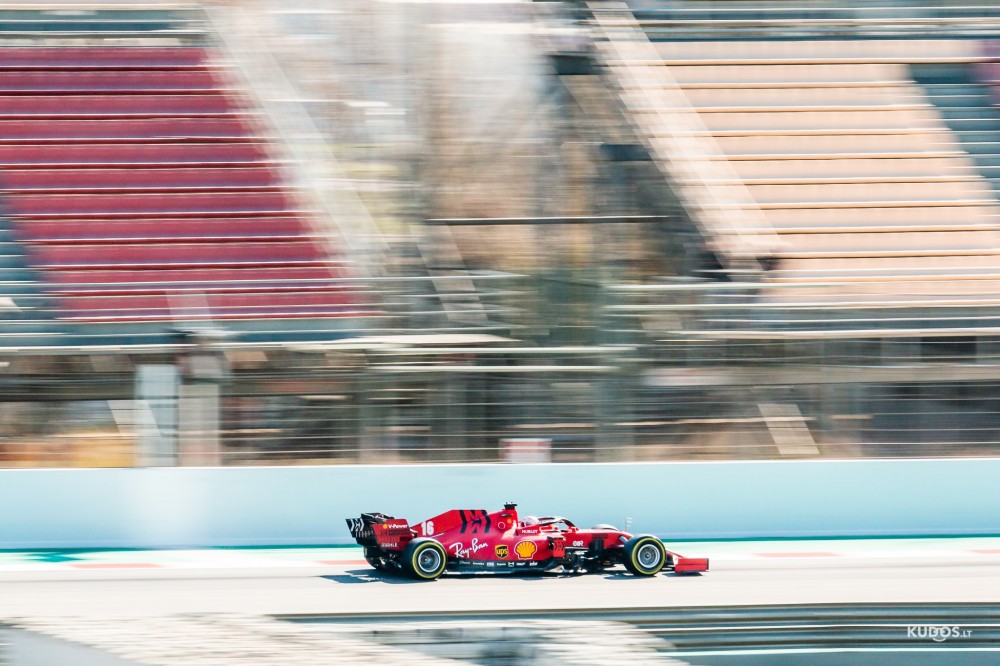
<point>173,507</point>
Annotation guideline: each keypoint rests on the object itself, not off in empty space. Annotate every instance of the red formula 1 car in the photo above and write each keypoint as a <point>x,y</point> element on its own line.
<point>475,540</point>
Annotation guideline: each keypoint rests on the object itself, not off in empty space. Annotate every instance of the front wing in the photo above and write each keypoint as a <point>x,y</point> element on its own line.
<point>688,565</point>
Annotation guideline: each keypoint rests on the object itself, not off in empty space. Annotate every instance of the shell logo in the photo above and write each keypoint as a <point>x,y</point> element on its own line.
<point>525,549</point>
<point>501,551</point>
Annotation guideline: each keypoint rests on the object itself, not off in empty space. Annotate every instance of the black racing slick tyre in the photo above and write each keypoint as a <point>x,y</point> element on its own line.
<point>424,559</point>
<point>645,555</point>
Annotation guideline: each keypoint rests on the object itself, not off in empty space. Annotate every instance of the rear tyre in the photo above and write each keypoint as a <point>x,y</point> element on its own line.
<point>424,559</point>
<point>645,555</point>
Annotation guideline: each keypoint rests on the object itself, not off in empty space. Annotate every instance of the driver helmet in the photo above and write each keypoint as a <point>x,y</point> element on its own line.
<point>529,520</point>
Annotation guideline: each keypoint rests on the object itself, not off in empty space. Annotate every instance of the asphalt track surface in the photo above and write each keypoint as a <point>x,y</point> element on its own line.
<point>916,571</point>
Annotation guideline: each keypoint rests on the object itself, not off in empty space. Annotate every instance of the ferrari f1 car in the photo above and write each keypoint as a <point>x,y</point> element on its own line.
<point>475,540</point>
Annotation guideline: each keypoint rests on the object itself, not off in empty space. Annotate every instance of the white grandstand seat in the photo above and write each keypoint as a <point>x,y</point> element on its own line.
<point>820,268</point>
<point>820,97</point>
<point>859,242</point>
<point>777,74</point>
<point>839,143</point>
<point>798,119</point>
<point>864,193</point>
<point>818,51</point>
<point>855,168</point>
<point>847,160</point>
<point>875,217</point>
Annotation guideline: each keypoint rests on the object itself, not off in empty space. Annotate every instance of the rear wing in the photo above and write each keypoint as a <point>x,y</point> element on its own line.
<point>377,530</point>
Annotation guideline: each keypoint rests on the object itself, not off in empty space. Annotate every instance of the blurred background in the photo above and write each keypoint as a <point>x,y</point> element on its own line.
<point>255,232</point>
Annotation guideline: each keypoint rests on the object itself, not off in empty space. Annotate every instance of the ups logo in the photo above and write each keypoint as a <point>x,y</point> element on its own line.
<point>502,552</point>
<point>525,549</point>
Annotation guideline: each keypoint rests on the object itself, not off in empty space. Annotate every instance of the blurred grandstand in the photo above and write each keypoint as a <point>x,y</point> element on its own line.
<point>390,231</point>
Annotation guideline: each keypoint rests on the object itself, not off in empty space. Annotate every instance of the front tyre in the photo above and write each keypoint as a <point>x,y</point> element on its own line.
<point>645,555</point>
<point>424,559</point>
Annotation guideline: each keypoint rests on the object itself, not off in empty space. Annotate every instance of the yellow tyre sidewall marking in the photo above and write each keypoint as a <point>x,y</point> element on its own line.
<point>635,553</point>
<point>416,555</point>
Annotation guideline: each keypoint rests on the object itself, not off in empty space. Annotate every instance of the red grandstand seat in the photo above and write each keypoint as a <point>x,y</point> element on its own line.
<point>107,81</point>
<point>97,57</point>
<point>177,255</point>
<point>146,129</point>
<point>988,72</point>
<point>131,154</point>
<point>153,205</point>
<point>27,180</point>
<point>142,194</point>
<point>277,301</point>
<point>114,106</point>
<point>214,306</point>
<point>226,279</point>
<point>261,301</point>
<point>275,229</point>
<point>991,48</point>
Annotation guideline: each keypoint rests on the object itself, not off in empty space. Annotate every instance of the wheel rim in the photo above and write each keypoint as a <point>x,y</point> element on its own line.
<point>648,556</point>
<point>429,560</point>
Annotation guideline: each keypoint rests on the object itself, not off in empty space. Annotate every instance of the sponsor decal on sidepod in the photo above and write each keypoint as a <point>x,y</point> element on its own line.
<point>525,549</point>
<point>461,551</point>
